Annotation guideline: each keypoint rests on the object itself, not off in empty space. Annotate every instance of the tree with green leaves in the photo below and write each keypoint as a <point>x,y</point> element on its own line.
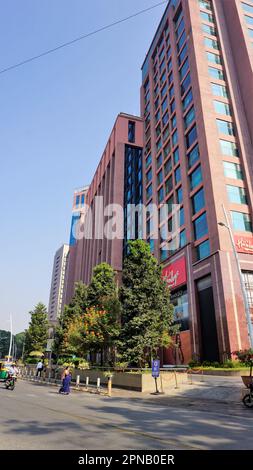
<point>103,285</point>
<point>147,314</point>
<point>71,312</point>
<point>37,334</point>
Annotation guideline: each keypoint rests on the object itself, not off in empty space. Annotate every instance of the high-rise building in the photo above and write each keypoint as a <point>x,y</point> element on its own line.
<point>58,284</point>
<point>79,201</point>
<point>118,181</point>
<point>197,107</point>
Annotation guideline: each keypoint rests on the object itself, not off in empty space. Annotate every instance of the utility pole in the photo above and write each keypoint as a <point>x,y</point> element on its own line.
<point>10,340</point>
<point>245,299</point>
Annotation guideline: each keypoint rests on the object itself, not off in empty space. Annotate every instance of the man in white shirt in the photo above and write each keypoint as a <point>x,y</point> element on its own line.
<point>39,369</point>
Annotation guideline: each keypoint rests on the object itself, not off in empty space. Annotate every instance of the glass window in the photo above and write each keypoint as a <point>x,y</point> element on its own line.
<point>82,200</point>
<point>209,29</point>
<point>170,78</point>
<point>77,200</point>
<point>168,185</point>
<point>166,150</point>
<point>200,226</point>
<point>249,19</point>
<point>236,194</point>
<point>164,90</point>
<point>149,191</point>
<point>164,105</point>
<point>181,41</point>
<point>160,177</point>
<point>173,122</point>
<point>191,137</point>
<point>182,238</point>
<point>214,58</point>
<point>216,73</point>
<point>212,43</point>
<point>172,106</point>
<point>184,69</point>
<point>166,133</point>
<point>181,216</point>
<point>203,250</point>
<point>158,145</point>
<point>185,84</point>
<point>247,8</point>
<point>179,195</point>
<point>229,148</point>
<point>193,156</point>
<point>176,156</point>
<point>233,170</point>
<point>148,160</point>
<point>250,32</point>
<point>182,54</point>
<point>131,131</point>
<point>198,201</point>
<point>177,175</point>
<point>225,127</point>
<point>171,92</point>
<point>189,118</point>
<point>149,175</point>
<point>219,90</point>
<point>205,4</point>
<point>241,221</point>
<point>174,138</point>
<point>207,17</point>
<point>180,28</point>
<point>222,108</point>
<point>165,119</point>
<point>159,161</point>
<point>187,100</point>
<point>196,177</point>
<point>168,167</point>
<point>160,195</point>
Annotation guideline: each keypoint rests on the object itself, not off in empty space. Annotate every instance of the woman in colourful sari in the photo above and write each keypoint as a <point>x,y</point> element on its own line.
<point>66,379</point>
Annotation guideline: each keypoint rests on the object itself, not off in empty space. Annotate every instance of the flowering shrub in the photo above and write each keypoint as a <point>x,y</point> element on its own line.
<point>245,356</point>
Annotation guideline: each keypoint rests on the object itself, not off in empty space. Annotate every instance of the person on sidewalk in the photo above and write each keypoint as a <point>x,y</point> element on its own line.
<point>66,379</point>
<point>39,368</point>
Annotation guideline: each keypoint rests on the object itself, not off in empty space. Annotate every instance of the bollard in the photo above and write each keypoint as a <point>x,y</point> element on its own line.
<point>176,379</point>
<point>98,384</point>
<point>109,386</point>
<point>77,381</point>
<point>87,383</point>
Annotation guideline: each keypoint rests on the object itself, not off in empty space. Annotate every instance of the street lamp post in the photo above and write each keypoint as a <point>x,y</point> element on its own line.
<point>245,299</point>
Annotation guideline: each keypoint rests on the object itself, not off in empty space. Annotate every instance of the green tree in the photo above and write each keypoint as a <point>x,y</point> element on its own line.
<point>4,343</point>
<point>102,286</point>
<point>20,342</point>
<point>37,334</point>
<point>147,314</point>
<point>73,311</point>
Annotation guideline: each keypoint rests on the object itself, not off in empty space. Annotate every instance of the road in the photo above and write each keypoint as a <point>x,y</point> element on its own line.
<point>35,416</point>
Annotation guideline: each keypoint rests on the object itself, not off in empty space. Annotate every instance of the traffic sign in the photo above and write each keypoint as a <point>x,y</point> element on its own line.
<point>155,368</point>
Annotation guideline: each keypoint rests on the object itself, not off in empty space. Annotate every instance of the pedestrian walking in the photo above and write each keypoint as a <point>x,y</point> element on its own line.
<point>66,379</point>
<point>39,368</point>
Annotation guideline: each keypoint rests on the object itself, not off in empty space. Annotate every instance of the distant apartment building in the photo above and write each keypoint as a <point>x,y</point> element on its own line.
<point>117,180</point>
<point>57,292</point>
<point>197,108</point>
<point>79,201</point>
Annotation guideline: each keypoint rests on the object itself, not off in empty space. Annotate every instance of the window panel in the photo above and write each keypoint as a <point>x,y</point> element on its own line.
<point>198,201</point>
<point>236,194</point>
<point>241,221</point>
<point>229,148</point>
<point>191,137</point>
<point>232,170</point>
<point>200,226</point>
<point>214,58</point>
<point>196,177</point>
<point>216,73</point>
<point>222,108</point>
<point>193,156</point>
<point>225,127</point>
<point>203,250</point>
<point>219,90</point>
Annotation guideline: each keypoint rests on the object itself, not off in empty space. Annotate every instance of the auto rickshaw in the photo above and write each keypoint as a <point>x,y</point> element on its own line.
<point>3,371</point>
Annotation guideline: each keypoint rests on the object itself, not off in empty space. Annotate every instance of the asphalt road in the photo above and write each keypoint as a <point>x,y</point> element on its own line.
<point>35,416</point>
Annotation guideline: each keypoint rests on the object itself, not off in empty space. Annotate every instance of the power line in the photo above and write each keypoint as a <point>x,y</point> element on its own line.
<point>79,38</point>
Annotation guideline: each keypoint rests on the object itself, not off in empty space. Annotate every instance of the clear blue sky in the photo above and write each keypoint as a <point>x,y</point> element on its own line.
<point>55,118</point>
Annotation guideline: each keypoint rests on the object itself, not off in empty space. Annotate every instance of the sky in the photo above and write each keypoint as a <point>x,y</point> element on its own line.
<point>56,115</point>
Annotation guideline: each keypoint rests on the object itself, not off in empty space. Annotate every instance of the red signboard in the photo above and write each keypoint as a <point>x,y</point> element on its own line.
<point>244,244</point>
<point>175,273</point>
